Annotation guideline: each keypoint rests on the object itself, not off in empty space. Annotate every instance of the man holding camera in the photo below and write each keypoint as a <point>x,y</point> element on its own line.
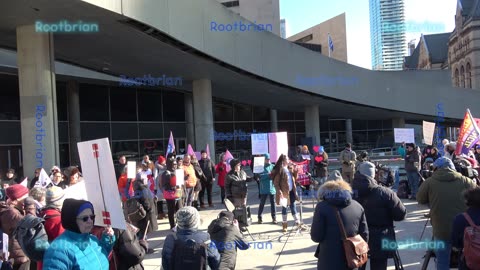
<point>443,191</point>
<point>348,158</point>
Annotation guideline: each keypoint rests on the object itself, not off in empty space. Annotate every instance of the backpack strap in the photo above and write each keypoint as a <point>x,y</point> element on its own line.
<point>469,220</point>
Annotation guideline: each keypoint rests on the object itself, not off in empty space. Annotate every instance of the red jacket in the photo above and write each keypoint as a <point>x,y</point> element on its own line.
<point>122,184</point>
<point>53,223</point>
<point>221,170</point>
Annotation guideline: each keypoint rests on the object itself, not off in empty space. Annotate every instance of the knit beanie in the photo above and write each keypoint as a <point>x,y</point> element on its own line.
<point>16,192</point>
<point>188,218</point>
<point>70,210</point>
<point>444,162</point>
<point>54,197</point>
<point>367,168</point>
<point>335,176</point>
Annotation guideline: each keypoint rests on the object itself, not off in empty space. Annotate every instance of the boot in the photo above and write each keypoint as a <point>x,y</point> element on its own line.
<point>284,227</point>
<point>260,220</point>
<point>274,220</point>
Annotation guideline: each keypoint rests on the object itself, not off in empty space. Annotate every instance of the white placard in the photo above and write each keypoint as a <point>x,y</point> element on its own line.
<point>406,135</point>
<point>100,182</point>
<point>259,143</point>
<point>179,174</point>
<point>277,145</point>
<point>77,191</point>
<point>307,157</point>
<point>131,169</point>
<point>428,131</point>
<point>258,164</point>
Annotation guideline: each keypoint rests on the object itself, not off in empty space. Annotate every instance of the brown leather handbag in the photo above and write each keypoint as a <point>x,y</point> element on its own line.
<point>356,249</point>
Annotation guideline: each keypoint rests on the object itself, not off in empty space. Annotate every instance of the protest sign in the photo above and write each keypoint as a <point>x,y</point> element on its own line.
<point>100,182</point>
<point>131,169</point>
<point>77,191</point>
<point>278,145</point>
<point>259,143</point>
<point>428,131</point>
<point>258,164</point>
<point>406,135</point>
<point>179,174</point>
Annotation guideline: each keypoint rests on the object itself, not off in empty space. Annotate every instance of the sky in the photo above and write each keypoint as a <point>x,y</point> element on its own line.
<point>303,14</point>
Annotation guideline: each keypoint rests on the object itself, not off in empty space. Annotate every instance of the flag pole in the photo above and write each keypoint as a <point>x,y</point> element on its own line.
<point>328,43</point>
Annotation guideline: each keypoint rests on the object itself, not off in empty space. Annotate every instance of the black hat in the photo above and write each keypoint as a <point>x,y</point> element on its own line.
<point>226,214</point>
<point>70,210</point>
<point>234,162</point>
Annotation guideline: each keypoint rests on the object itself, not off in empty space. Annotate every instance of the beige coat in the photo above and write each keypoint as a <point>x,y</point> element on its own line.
<point>280,180</point>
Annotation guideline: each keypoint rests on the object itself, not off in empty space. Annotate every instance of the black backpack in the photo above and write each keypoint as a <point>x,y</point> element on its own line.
<point>32,237</point>
<point>128,249</point>
<point>188,255</point>
<point>133,209</point>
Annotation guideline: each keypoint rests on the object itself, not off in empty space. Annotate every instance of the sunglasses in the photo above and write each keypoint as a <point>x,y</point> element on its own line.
<point>85,218</point>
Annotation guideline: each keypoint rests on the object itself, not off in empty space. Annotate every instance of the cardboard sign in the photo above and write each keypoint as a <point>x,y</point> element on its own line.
<point>258,164</point>
<point>428,131</point>
<point>179,174</point>
<point>278,145</point>
<point>100,182</point>
<point>259,143</point>
<point>131,169</point>
<point>406,135</point>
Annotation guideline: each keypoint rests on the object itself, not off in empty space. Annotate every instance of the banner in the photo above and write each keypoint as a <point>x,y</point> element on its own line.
<point>406,135</point>
<point>428,131</point>
<point>278,145</point>
<point>100,183</point>
<point>302,169</point>
<point>258,164</point>
<point>469,134</point>
<point>259,143</point>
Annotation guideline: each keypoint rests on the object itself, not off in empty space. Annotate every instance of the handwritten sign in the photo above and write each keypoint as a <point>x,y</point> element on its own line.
<point>259,143</point>
<point>406,135</point>
<point>428,131</point>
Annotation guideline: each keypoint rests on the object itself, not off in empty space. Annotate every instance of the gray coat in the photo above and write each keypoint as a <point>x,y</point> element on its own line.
<point>325,228</point>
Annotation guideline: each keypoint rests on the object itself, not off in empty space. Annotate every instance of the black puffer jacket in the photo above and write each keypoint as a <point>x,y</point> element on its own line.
<point>325,228</point>
<point>227,239</point>
<point>382,207</point>
<point>208,169</point>
<point>236,184</point>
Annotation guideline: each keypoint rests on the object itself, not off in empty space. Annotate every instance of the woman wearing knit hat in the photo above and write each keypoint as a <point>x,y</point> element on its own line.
<point>11,212</point>
<point>76,248</point>
<point>54,198</point>
<point>188,220</point>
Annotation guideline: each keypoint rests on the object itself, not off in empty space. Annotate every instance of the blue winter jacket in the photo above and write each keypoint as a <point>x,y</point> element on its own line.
<point>75,251</point>
<point>266,182</point>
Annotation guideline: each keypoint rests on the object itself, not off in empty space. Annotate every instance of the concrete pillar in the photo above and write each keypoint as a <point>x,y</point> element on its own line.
<point>312,124</point>
<point>348,130</point>
<point>189,120</point>
<point>73,120</point>
<point>38,104</point>
<point>398,123</point>
<point>273,120</point>
<point>203,115</point>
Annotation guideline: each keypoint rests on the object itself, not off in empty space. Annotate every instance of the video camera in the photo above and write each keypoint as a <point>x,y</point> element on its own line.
<point>464,167</point>
<point>428,168</point>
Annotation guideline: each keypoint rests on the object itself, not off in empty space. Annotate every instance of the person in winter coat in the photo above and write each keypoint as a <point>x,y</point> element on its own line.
<point>221,170</point>
<point>236,188</point>
<point>412,167</point>
<point>190,180</point>
<point>52,212</point>
<point>200,177</point>
<point>472,200</point>
<point>128,250</point>
<point>208,169</point>
<point>226,237</point>
<point>348,158</point>
<point>284,177</point>
<point>382,207</point>
<point>125,187</point>
<point>169,187</point>
<point>35,178</point>
<point>401,150</point>
<point>11,212</point>
<point>477,153</point>
<point>57,180</point>
<point>443,192</point>
<point>188,220</point>
<point>10,179</point>
<point>430,152</point>
<point>267,189</point>
<point>76,248</point>
<point>449,150</point>
<point>160,167</point>
<point>321,164</point>
<point>145,198</point>
<point>38,196</point>
<point>325,228</point>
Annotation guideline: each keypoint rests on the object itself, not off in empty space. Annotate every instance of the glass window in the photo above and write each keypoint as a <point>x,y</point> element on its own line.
<point>64,152</point>
<point>337,125</point>
<point>387,124</point>
<point>153,148</point>
<point>149,105</point>
<point>153,131</point>
<point>359,124</point>
<point>93,103</point>
<point>123,104</point>
<point>288,126</point>
<point>62,101</point>
<point>262,127</point>
<point>261,114</point>
<point>93,131</point>
<point>178,130</point>
<point>324,124</point>
<point>375,124</point>
<point>224,137</point>
<point>299,126</point>
<point>243,112</point>
<point>222,111</point>
<point>10,132</point>
<point>63,132</point>
<point>283,115</point>
<point>124,131</point>
<point>173,106</point>
<point>10,101</point>
<point>127,148</point>
<point>299,115</point>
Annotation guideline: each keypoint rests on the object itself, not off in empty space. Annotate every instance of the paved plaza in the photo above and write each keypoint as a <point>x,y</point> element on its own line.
<point>298,249</point>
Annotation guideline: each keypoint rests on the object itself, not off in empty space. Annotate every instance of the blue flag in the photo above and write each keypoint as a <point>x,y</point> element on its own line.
<point>330,42</point>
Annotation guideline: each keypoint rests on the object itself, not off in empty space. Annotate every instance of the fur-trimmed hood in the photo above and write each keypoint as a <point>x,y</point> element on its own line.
<point>338,193</point>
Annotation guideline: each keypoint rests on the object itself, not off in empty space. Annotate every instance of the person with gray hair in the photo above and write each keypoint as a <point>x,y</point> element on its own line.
<point>188,220</point>
<point>443,193</point>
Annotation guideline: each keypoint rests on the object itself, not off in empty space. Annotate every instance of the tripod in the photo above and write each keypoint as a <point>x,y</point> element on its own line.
<point>430,253</point>
<point>302,226</point>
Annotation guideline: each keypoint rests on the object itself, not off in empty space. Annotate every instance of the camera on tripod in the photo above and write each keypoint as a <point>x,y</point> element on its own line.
<point>428,168</point>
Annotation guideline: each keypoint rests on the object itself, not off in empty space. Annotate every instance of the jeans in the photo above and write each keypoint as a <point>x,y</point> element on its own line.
<point>263,199</point>
<point>293,207</point>
<point>208,187</point>
<point>222,194</point>
<point>443,255</point>
<point>413,182</point>
<point>173,206</point>
<point>189,194</point>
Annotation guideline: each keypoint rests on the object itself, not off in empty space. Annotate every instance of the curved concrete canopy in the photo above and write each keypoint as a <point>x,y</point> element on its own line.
<point>172,37</point>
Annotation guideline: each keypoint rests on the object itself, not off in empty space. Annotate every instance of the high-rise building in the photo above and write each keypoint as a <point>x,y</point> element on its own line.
<point>387,34</point>
<point>257,11</point>
<point>283,28</point>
